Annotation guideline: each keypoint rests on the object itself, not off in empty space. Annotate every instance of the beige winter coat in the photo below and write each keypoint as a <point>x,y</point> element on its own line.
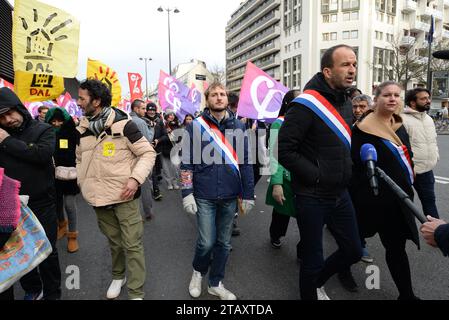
<point>423,139</point>
<point>105,164</point>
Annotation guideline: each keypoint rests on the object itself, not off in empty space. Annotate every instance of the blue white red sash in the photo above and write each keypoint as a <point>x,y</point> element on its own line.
<point>403,156</point>
<point>220,143</point>
<point>281,120</point>
<point>327,112</point>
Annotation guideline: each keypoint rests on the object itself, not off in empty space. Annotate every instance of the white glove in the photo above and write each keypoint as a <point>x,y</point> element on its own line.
<point>189,204</point>
<point>24,199</point>
<point>247,206</point>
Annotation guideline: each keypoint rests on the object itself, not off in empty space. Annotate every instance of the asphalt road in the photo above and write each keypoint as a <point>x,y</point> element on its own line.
<point>255,270</point>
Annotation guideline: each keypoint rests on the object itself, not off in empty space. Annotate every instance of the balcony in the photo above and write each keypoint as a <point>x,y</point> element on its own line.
<point>438,14</point>
<point>445,34</point>
<point>272,48</point>
<point>407,41</point>
<point>410,6</point>
<point>420,26</point>
<point>267,34</point>
<point>427,12</point>
<point>241,11</point>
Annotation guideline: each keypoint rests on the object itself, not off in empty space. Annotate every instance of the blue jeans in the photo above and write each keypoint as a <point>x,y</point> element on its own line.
<point>214,219</point>
<point>425,187</point>
<point>339,215</point>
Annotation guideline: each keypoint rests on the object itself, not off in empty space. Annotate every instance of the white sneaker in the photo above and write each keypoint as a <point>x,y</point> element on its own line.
<point>321,293</point>
<point>115,288</point>
<point>195,284</point>
<point>137,299</point>
<point>221,292</point>
<point>176,187</point>
<point>170,187</point>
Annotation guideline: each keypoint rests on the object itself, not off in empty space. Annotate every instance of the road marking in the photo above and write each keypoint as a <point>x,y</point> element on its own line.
<point>442,180</point>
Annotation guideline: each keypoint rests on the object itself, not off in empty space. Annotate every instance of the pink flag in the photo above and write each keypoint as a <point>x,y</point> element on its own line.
<point>261,96</point>
<point>135,86</point>
<point>4,83</point>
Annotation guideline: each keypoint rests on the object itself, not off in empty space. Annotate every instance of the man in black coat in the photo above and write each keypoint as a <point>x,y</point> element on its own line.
<point>314,145</point>
<point>436,234</point>
<point>26,150</point>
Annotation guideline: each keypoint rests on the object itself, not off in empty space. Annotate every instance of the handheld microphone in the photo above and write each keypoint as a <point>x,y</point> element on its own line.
<point>368,154</point>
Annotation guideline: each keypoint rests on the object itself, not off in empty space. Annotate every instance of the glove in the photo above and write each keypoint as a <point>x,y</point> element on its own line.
<point>189,204</point>
<point>247,206</point>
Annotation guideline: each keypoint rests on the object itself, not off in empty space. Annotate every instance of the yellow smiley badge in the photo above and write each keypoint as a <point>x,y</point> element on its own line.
<point>63,144</point>
<point>109,149</point>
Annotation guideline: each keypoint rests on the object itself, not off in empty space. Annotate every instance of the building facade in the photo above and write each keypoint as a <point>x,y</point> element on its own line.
<point>376,29</point>
<point>253,34</point>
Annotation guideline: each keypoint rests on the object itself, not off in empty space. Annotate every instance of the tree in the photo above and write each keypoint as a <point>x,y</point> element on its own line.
<point>218,73</point>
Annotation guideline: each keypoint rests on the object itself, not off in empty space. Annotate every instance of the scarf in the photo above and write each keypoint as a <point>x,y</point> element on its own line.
<point>9,203</point>
<point>373,124</point>
<point>97,124</point>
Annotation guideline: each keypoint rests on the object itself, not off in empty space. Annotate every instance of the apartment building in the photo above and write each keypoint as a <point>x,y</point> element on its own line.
<point>253,34</point>
<point>372,27</point>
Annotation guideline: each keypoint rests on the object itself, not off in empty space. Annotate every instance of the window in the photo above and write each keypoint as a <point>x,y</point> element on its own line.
<point>333,36</point>
<point>380,5</point>
<point>346,35</point>
<point>328,6</point>
<point>350,5</point>
<point>350,16</point>
<point>354,34</point>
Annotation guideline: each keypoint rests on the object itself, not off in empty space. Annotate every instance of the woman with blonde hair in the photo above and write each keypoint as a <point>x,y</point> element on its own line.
<point>384,214</point>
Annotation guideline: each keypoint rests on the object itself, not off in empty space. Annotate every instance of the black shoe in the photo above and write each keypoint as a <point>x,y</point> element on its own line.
<point>347,281</point>
<point>149,217</point>
<point>157,195</point>
<point>235,229</point>
<point>276,243</point>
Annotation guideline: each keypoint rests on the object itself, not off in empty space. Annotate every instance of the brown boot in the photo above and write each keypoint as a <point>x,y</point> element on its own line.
<point>62,229</point>
<point>72,243</point>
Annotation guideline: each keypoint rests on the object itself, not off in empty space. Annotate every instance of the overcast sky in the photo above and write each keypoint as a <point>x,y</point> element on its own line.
<point>119,32</point>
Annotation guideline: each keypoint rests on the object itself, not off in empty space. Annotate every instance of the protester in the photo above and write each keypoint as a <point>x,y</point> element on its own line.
<point>354,92</point>
<point>41,112</point>
<point>210,188</point>
<point>279,193</point>
<point>187,120</point>
<point>67,139</point>
<point>27,149</point>
<point>138,109</point>
<point>319,161</point>
<point>170,171</point>
<point>436,234</point>
<point>113,160</point>
<point>384,214</point>
<point>423,138</point>
<point>158,126</point>
<point>361,104</point>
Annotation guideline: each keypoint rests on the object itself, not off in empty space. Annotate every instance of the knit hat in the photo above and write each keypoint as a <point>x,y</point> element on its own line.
<point>9,203</point>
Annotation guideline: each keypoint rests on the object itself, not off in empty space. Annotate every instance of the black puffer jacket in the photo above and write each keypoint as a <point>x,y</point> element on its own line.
<point>318,160</point>
<point>27,154</point>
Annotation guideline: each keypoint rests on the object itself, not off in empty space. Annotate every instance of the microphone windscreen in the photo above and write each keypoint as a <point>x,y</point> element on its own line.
<point>368,153</point>
<point>442,54</point>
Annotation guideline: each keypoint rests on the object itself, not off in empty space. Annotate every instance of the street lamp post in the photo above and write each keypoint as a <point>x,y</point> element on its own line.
<point>160,9</point>
<point>146,72</point>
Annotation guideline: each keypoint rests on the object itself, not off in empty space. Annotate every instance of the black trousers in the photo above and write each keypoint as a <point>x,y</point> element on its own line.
<point>47,276</point>
<point>279,224</point>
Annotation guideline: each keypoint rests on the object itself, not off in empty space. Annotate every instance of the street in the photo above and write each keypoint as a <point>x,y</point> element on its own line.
<point>255,270</point>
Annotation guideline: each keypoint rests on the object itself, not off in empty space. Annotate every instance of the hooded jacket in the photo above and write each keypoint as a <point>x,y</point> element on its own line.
<point>423,138</point>
<point>67,139</point>
<point>27,154</point>
<point>318,160</point>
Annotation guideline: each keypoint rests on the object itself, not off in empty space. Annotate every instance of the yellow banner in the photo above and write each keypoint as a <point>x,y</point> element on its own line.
<point>100,71</point>
<point>45,39</point>
<point>37,87</point>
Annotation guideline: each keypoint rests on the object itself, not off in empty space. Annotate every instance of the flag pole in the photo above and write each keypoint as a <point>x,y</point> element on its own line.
<point>429,60</point>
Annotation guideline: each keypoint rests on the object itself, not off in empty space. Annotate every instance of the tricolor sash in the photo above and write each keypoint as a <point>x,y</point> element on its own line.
<point>403,156</point>
<point>220,143</point>
<point>281,120</point>
<point>326,112</point>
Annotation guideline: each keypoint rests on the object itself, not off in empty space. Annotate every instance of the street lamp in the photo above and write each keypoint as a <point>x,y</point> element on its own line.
<point>146,77</point>
<point>160,9</point>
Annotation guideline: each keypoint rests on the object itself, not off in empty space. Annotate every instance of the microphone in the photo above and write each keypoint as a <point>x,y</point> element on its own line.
<point>368,154</point>
<point>442,54</point>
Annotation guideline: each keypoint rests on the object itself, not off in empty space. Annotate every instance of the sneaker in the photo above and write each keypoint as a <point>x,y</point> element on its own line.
<point>137,299</point>
<point>157,195</point>
<point>176,187</point>
<point>195,284</point>
<point>235,230</point>
<point>115,288</point>
<point>347,281</point>
<point>170,187</point>
<point>276,243</point>
<point>221,292</point>
<point>321,293</point>
<point>366,257</point>
<point>33,295</point>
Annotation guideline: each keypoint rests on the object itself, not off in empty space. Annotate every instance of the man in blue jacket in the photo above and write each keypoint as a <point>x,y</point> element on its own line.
<point>215,172</point>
